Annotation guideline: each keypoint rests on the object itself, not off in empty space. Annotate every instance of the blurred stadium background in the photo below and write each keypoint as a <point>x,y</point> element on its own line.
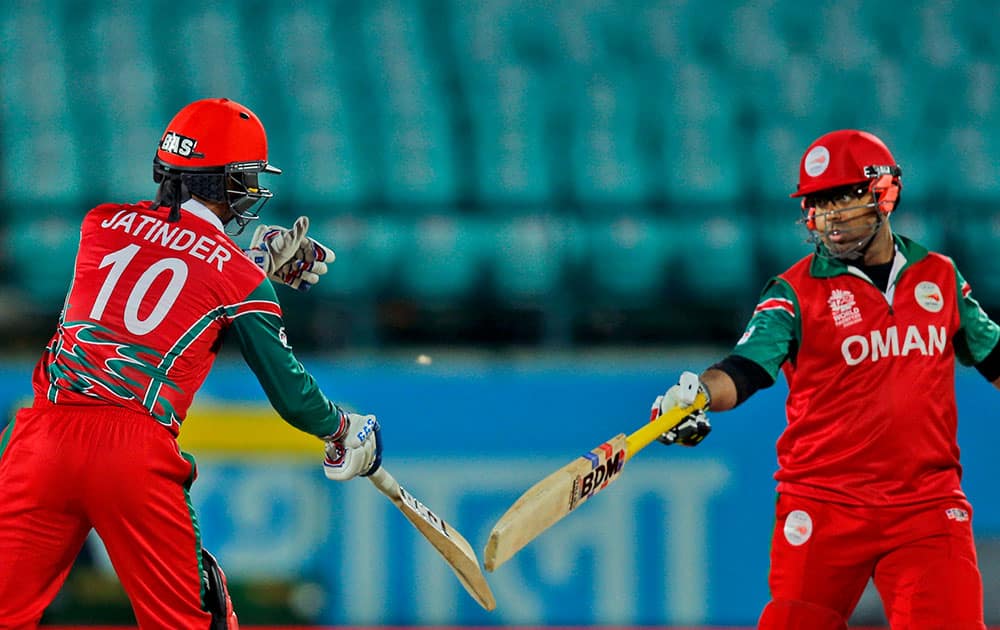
<point>562,203</point>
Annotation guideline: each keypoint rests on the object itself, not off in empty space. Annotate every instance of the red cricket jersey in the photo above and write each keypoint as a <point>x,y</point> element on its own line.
<point>871,409</point>
<point>142,319</point>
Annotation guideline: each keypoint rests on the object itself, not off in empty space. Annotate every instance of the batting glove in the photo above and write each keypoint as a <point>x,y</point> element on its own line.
<point>289,256</point>
<point>694,427</point>
<point>357,452</point>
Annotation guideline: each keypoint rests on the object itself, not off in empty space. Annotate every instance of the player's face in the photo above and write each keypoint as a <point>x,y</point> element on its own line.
<point>844,216</point>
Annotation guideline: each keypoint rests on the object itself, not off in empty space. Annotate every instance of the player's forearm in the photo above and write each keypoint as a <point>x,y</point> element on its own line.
<point>721,388</point>
<point>290,389</point>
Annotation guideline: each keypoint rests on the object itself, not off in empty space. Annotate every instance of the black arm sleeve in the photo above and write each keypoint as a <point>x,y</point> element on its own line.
<point>746,374</point>
<point>990,365</point>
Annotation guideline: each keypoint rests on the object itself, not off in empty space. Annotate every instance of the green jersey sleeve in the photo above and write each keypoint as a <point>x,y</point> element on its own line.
<point>291,390</point>
<point>773,333</point>
<point>977,334</point>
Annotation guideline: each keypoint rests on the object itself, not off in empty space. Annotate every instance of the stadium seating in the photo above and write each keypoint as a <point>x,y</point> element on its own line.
<point>369,254</point>
<point>443,258</point>
<point>532,257</point>
<point>523,153</point>
<point>633,260</point>
<point>40,254</point>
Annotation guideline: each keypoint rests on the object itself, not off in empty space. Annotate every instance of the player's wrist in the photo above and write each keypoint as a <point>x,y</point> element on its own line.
<point>342,424</point>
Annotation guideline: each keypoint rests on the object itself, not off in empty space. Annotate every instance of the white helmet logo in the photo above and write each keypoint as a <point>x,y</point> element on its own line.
<point>817,160</point>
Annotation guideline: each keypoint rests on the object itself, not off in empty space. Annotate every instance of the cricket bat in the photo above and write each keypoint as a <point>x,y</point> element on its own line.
<point>452,546</point>
<point>552,498</point>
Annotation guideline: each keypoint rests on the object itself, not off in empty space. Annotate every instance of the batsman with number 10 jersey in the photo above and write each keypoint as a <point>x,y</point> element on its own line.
<point>145,315</point>
<point>157,286</point>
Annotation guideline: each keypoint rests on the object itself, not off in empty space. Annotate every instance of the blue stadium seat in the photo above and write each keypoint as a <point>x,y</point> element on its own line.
<point>411,106</point>
<point>605,160</point>
<point>780,239</point>
<point>531,255</point>
<point>368,251</point>
<point>206,31</point>
<point>717,263</point>
<point>978,232</point>
<point>125,113</point>
<point>316,138</point>
<point>772,157</point>
<point>43,149</point>
<point>497,32</point>
<point>969,160</point>
<point>443,257</point>
<point>924,223</point>
<point>509,111</point>
<point>630,259</point>
<point>41,257</point>
<point>699,157</point>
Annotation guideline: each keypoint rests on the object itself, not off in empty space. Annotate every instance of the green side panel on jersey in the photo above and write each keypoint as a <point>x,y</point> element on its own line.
<point>291,390</point>
<point>978,334</point>
<point>773,335</point>
<point>194,517</point>
<point>5,435</point>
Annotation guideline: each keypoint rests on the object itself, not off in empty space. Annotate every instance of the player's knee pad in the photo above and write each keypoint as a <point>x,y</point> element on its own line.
<point>787,614</point>
<point>217,599</point>
<point>949,596</point>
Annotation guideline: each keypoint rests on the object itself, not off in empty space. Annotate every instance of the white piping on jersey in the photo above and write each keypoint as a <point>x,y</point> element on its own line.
<point>898,262</point>
<point>201,211</point>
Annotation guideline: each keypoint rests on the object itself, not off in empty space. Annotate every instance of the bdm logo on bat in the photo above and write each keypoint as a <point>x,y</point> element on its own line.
<point>605,467</point>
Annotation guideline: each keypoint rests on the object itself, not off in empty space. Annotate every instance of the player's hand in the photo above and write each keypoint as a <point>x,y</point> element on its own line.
<point>694,427</point>
<point>310,262</point>
<point>289,256</point>
<point>358,452</point>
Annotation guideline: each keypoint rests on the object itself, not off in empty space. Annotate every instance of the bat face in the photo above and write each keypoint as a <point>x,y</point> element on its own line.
<point>424,512</point>
<point>545,503</point>
<point>552,498</point>
<point>606,461</point>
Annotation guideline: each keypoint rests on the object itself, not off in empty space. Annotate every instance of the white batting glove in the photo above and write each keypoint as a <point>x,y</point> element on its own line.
<point>693,428</point>
<point>358,452</point>
<point>310,262</point>
<point>289,256</point>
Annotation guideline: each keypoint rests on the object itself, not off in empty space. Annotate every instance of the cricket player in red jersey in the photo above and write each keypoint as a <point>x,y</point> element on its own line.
<point>156,287</point>
<point>866,330</point>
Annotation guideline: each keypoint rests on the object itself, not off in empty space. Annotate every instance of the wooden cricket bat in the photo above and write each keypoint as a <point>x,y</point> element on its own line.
<point>552,498</point>
<point>449,543</point>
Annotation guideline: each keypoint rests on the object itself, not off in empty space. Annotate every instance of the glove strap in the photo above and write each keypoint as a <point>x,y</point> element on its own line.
<point>704,390</point>
<point>341,431</point>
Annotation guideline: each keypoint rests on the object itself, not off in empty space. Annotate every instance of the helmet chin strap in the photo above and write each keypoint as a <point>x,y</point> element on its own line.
<point>858,250</point>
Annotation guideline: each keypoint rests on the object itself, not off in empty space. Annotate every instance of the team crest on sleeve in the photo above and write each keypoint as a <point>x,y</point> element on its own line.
<point>929,296</point>
<point>746,335</point>
<point>844,308</point>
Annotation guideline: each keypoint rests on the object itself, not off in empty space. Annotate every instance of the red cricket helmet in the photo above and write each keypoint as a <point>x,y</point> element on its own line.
<point>849,156</point>
<point>214,149</point>
<point>214,133</point>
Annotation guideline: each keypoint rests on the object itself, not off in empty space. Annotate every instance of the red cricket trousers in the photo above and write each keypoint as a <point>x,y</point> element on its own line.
<point>66,469</point>
<point>921,557</point>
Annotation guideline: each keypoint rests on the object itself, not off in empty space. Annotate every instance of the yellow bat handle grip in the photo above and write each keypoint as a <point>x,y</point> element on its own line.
<point>644,436</point>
